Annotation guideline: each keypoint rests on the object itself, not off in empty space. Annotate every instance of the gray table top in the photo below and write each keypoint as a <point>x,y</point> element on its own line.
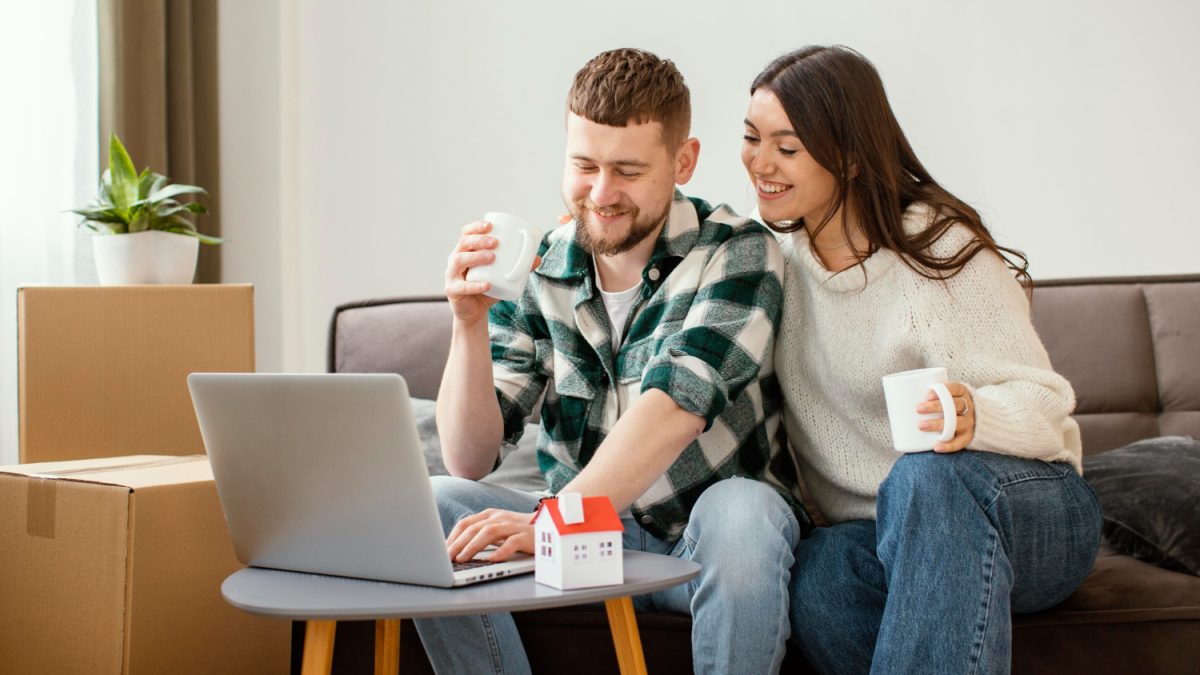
<point>296,595</point>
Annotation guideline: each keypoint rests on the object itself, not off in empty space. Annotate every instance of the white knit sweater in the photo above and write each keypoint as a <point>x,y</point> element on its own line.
<point>841,333</point>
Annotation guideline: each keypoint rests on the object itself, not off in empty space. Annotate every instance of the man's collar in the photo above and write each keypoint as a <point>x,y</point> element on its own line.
<point>565,258</point>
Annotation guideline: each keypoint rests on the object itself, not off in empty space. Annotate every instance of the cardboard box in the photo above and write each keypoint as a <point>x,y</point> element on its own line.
<point>115,566</point>
<point>102,370</point>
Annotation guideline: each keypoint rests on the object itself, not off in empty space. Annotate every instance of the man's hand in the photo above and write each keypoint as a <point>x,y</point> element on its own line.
<point>510,531</point>
<point>467,299</point>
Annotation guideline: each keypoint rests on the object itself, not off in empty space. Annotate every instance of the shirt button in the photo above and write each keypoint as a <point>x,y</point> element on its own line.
<point>646,520</point>
<point>654,274</point>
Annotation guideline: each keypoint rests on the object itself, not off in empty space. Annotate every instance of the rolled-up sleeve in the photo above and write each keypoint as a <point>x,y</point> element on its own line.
<point>726,338</point>
<point>518,370</point>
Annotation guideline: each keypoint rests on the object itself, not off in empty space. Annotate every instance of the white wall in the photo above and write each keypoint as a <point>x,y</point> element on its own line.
<point>358,136</point>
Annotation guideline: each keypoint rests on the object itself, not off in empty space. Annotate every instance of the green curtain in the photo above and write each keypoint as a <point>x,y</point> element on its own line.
<point>158,91</point>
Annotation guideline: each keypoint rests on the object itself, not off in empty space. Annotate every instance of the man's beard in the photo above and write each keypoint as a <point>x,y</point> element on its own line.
<point>638,230</point>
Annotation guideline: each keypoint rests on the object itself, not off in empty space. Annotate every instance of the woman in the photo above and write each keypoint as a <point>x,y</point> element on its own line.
<point>928,554</point>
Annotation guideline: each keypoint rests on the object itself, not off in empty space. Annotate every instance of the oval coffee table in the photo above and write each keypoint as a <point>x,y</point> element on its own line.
<point>322,601</point>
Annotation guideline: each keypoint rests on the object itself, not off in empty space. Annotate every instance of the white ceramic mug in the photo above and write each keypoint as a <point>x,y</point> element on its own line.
<point>517,245</point>
<point>903,393</point>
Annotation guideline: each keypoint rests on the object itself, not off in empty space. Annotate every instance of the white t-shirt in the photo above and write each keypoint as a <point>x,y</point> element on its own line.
<point>618,304</point>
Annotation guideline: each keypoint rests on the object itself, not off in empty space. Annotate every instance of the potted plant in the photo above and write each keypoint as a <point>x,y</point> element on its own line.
<point>144,234</point>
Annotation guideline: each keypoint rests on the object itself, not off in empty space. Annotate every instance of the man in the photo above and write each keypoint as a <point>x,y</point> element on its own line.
<point>648,327</point>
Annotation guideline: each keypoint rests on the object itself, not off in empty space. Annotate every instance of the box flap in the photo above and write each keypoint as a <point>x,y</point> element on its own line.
<point>135,472</point>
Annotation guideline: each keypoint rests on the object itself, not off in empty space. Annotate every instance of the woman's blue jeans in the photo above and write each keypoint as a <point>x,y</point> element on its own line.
<point>741,532</point>
<point>962,541</point>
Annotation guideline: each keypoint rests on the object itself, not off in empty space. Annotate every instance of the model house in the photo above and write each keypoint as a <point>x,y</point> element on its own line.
<point>577,542</point>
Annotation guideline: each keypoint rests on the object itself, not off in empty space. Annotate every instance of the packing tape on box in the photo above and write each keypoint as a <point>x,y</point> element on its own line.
<point>41,509</point>
<point>103,468</point>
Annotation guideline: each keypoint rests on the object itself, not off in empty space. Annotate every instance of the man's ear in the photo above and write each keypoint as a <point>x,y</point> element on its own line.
<point>685,160</point>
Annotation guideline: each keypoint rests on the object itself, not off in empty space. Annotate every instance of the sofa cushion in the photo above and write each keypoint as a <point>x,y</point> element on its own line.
<point>1104,431</point>
<point>1127,617</point>
<point>409,336</point>
<point>1108,355</point>
<point>1174,311</point>
<point>1120,589</point>
<point>518,469</point>
<point>1150,494</point>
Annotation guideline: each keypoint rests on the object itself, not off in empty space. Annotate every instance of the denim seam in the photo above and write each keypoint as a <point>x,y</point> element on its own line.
<point>989,568</point>
<point>793,524</point>
<point>1017,481</point>
<point>1026,479</point>
<point>1087,489</point>
<point>493,646</point>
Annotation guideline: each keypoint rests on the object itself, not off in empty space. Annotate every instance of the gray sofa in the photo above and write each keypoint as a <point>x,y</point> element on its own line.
<point>1130,347</point>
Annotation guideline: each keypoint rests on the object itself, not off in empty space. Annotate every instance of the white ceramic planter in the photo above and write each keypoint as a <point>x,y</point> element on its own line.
<point>149,257</point>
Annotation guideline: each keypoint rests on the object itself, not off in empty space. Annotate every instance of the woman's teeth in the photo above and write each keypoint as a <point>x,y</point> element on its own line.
<point>772,188</point>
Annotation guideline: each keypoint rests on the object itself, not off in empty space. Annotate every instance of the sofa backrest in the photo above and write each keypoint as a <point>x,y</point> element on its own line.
<point>1129,346</point>
<point>409,336</point>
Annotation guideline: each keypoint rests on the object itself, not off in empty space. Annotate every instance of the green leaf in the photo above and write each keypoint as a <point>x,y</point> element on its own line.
<point>145,183</point>
<point>101,216</point>
<point>124,178</point>
<point>173,191</point>
<point>104,228</point>
<point>172,207</point>
<point>142,221</point>
<point>185,227</point>
<point>207,239</point>
<point>179,220</point>
<point>105,197</point>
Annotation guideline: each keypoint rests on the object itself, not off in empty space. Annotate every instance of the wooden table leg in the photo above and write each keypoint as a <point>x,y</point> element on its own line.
<point>623,624</point>
<point>318,647</point>
<point>387,646</point>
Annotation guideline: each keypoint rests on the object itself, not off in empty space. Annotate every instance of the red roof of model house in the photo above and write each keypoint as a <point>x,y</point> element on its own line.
<point>598,516</point>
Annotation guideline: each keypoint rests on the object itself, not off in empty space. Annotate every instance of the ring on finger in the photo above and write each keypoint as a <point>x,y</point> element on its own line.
<point>966,408</point>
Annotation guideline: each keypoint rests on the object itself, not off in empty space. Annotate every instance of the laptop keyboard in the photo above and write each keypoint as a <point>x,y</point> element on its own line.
<point>471,564</point>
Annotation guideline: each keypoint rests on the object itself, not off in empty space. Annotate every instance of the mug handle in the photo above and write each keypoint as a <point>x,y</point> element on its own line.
<point>527,253</point>
<point>949,414</point>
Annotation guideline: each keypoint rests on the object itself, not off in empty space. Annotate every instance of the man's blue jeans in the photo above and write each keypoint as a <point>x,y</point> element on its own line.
<point>961,542</point>
<point>741,532</point>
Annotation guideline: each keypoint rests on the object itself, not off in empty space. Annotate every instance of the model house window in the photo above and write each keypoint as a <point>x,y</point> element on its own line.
<point>580,552</point>
<point>50,84</point>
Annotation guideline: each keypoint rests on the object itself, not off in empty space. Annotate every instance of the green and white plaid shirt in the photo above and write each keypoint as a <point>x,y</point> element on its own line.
<point>702,331</point>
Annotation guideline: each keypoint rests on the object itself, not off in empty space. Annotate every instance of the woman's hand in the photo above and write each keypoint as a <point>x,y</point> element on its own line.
<point>964,407</point>
<point>510,531</point>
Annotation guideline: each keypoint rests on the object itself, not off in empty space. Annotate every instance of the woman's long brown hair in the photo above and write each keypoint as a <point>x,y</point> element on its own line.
<point>836,103</point>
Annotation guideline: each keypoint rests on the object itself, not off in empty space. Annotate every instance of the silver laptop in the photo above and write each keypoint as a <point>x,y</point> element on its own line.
<point>325,474</point>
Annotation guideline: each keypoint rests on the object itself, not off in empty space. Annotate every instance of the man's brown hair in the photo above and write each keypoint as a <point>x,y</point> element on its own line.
<point>624,86</point>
